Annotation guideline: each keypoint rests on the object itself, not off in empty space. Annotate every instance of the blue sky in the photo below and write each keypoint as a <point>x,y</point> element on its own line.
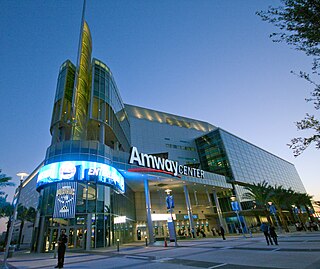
<point>208,60</point>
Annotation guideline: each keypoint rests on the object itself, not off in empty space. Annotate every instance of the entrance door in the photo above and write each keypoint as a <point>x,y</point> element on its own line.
<point>51,238</point>
<point>75,236</point>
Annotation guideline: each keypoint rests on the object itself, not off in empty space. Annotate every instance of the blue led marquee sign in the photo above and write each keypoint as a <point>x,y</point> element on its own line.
<point>81,171</point>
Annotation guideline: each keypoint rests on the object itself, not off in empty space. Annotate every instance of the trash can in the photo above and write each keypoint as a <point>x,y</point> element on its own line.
<point>11,250</point>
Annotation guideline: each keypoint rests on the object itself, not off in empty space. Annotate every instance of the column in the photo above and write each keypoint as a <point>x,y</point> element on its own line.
<point>89,227</point>
<point>148,207</point>
<point>42,235</point>
<point>209,199</point>
<point>189,208</point>
<point>221,219</point>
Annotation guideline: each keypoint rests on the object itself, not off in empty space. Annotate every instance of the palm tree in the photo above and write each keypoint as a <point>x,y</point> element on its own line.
<point>24,214</point>
<point>6,209</point>
<point>4,182</point>
<point>279,198</point>
<point>303,199</point>
<point>260,193</point>
<point>290,197</point>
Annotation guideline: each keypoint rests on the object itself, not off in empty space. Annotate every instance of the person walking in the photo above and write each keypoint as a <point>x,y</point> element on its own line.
<point>61,248</point>
<point>213,230</point>
<point>192,232</point>
<point>273,234</point>
<point>222,233</point>
<point>265,229</point>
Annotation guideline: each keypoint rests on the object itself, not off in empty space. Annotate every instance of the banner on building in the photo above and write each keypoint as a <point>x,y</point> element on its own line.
<point>65,202</point>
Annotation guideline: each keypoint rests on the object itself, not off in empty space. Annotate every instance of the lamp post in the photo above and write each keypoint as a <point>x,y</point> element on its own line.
<point>273,211</point>
<point>13,220</point>
<point>235,207</point>
<point>170,206</point>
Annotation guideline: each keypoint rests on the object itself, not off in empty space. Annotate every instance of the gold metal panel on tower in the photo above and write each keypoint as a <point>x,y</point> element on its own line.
<point>82,97</point>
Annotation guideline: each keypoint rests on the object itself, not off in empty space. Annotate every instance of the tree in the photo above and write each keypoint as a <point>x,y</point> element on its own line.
<point>4,182</point>
<point>303,199</point>
<point>24,214</point>
<point>260,193</point>
<point>299,25</point>
<point>279,199</point>
<point>6,209</point>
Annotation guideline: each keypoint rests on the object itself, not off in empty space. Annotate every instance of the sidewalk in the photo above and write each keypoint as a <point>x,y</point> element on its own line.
<point>295,251</point>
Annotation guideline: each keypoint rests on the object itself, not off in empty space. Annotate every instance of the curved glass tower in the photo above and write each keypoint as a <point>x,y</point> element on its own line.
<point>81,189</point>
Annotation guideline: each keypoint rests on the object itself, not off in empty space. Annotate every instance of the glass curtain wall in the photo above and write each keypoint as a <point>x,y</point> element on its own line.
<point>96,208</point>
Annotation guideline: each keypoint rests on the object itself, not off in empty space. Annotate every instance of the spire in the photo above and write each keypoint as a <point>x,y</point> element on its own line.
<point>81,88</point>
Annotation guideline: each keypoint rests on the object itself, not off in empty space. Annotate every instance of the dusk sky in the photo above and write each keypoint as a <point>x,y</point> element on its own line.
<point>204,59</point>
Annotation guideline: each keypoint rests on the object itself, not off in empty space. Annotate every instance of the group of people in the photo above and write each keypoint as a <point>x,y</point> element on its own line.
<point>308,226</point>
<point>269,233</point>
<point>220,232</point>
<point>200,232</point>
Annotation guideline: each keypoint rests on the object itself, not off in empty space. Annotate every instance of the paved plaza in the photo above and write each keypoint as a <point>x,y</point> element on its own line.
<point>295,251</point>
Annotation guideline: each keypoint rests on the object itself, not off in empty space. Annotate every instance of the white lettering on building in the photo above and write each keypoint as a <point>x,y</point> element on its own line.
<point>155,162</point>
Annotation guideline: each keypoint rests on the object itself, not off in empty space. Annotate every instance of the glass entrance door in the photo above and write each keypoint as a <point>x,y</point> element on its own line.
<point>75,236</point>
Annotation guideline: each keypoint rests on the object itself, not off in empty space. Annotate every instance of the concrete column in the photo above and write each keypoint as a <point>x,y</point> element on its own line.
<point>89,227</point>
<point>189,208</point>
<point>195,197</point>
<point>221,219</point>
<point>42,235</point>
<point>148,207</point>
<point>209,199</point>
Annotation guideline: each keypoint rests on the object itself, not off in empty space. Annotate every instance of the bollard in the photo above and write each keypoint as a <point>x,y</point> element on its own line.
<point>55,247</point>
<point>118,242</point>
<point>146,238</point>
<point>165,242</point>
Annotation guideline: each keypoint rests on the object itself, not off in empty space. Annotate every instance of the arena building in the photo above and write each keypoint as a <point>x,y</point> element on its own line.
<point>116,171</point>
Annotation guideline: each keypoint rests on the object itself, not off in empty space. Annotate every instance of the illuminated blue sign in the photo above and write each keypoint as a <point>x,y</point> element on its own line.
<point>81,171</point>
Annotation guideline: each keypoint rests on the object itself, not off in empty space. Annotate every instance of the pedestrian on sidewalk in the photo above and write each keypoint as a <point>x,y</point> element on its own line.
<point>273,234</point>
<point>213,230</point>
<point>265,229</point>
<point>61,249</point>
<point>222,233</point>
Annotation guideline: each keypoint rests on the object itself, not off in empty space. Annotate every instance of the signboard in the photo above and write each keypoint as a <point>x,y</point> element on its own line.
<point>272,209</point>
<point>194,216</point>
<point>169,201</point>
<point>81,171</point>
<point>235,206</point>
<point>159,164</point>
<point>65,201</point>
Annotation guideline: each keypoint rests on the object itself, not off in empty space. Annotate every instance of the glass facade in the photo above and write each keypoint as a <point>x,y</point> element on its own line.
<point>97,207</point>
<point>62,110</point>
<point>242,162</point>
<point>107,111</point>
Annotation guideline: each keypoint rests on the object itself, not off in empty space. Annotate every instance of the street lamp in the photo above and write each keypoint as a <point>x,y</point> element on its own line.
<point>13,219</point>
<point>170,205</point>
<point>236,207</point>
<point>273,211</point>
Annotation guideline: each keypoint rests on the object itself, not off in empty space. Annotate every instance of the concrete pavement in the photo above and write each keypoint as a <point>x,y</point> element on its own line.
<point>295,251</point>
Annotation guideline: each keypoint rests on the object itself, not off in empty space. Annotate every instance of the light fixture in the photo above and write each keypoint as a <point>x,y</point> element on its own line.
<point>168,191</point>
